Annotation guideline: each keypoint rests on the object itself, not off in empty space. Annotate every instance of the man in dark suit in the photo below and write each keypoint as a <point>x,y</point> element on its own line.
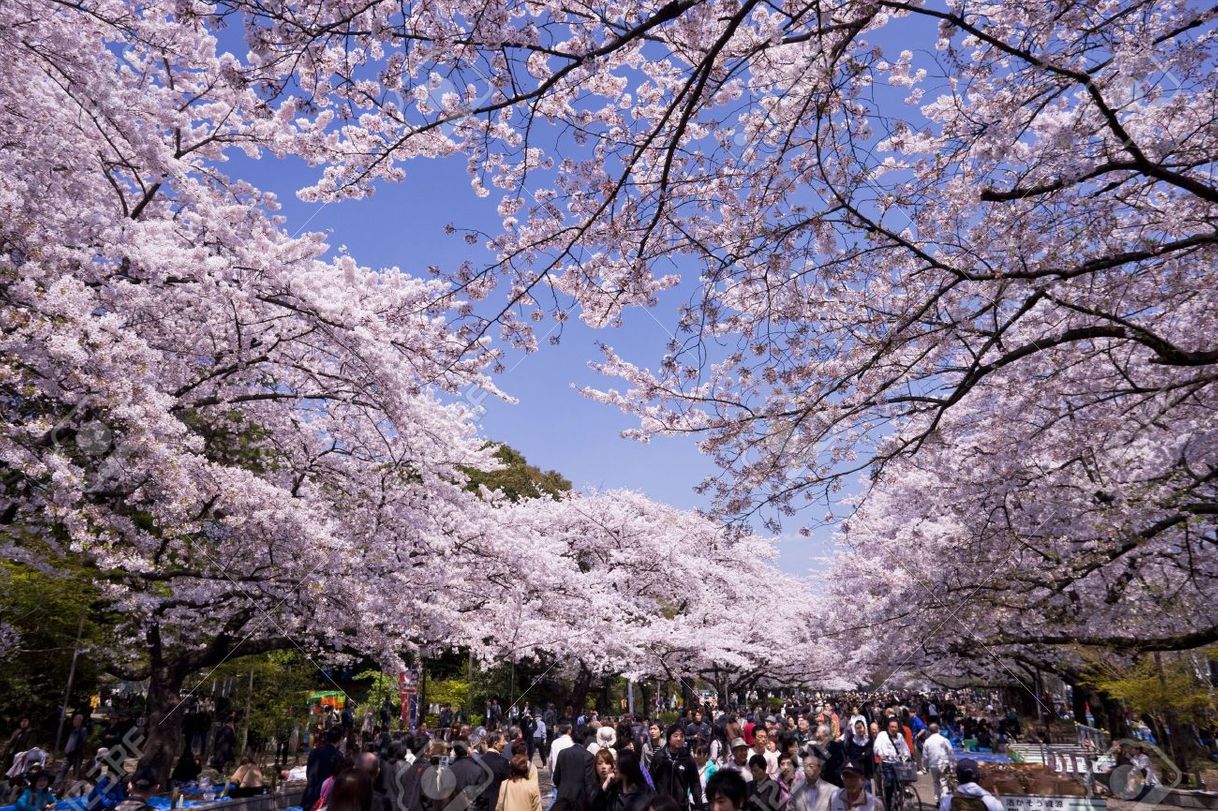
<point>471,776</point>
<point>493,760</point>
<point>575,773</point>
<point>323,762</point>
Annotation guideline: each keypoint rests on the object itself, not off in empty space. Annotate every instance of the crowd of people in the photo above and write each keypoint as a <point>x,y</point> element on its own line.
<point>835,753</point>
<point>815,753</point>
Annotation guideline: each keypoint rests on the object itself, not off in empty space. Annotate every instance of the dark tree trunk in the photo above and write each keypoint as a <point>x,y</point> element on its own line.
<point>163,730</point>
<point>688,697</point>
<point>579,690</point>
<point>1113,716</point>
<point>604,698</point>
<point>1078,696</point>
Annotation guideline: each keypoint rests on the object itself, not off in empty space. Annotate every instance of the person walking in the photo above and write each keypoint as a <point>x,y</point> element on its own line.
<point>890,749</point>
<point>726,791</point>
<point>854,795</point>
<point>352,791</point>
<point>937,756</point>
<point>519,792</point>
<point>497,765</point>
<point>539,739</point>
<point>575,775</point>
<point>469,774</point>
<point>674,773</point>
<point>226,744</point>
<point>858,747</point>
<point>74,748</point>
<point>813,792</point>
<point>322,764</point>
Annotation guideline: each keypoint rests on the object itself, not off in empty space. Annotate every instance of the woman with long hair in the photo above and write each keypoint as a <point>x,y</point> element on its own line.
<point>519,792</point>
<point>605,765</point>
<point>628,790</point>
<point>352,791</point>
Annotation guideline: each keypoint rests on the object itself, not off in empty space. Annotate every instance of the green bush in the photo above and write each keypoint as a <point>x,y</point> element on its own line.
<point>448,691</point>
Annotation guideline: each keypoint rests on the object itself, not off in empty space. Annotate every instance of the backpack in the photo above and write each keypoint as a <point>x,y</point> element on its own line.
<point>961,803</point>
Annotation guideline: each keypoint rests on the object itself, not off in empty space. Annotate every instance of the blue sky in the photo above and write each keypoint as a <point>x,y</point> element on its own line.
<point>552,424</point>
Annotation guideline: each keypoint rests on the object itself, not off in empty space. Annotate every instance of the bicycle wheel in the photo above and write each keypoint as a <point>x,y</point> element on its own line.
<point>898,796</point>
<point>914,798</point>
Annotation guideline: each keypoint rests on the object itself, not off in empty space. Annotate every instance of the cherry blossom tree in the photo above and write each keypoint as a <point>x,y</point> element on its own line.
<point>609,583</point>
<point>244,436</point>
<point>968,560</point>
<point>1000,228</point>
<point>993,242</point>
<point>865,233</point>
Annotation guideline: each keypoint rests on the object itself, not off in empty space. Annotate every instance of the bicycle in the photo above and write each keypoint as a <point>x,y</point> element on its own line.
<point>905,790</point>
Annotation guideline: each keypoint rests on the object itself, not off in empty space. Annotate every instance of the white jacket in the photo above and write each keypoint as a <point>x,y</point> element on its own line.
<point>891,750</point>
<point>560,743</point>
<point>937,752</point>
<point>992,803</point>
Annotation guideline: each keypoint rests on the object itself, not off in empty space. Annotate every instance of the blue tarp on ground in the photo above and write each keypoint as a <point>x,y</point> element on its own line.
<point>160,802</point>
<point>980,757</point>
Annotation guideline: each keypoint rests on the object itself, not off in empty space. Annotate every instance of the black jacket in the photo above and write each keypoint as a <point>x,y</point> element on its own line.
<point>616,800</point>
<point>498,766</point>
<point>575,776</point>
<point>860,754</point>
<point>676,775</point>
<point>471,778</point>
<point>835,757</point>
<point>322,761</point>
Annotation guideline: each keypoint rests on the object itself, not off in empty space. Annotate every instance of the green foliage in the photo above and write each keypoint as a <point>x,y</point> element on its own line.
<point>382,687</point>
<point>448,691</point>
<point>282,682</point>
<point>1145,689</point>
<point>667,717</point>
<point>46,610</point>
<point>518,479</point>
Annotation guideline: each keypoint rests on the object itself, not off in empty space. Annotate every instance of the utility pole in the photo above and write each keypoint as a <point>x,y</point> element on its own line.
<point>245,727</point>
<point>469,688</point>
<point>67,694</point>
<point>512,687</point>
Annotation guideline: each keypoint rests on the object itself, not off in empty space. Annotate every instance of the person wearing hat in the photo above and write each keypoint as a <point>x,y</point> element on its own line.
<point>110,789</point>
<point>605,739</point>
<point>739,760</point>
<point>969,796</point>
<point>674,773</point>
<point>853,796</point>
